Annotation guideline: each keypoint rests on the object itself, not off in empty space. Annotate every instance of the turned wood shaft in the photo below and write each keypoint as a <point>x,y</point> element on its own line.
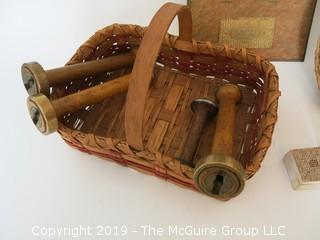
<point>219,174</point>
<point>227,96</point>
<point>76,101</point>
<point>59,76</point>
<point>201,117</point>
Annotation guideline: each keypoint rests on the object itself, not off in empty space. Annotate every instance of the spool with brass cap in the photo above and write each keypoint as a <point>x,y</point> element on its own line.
<point>37,80</point>
<point>42,113</point>
<point>219,175</point>
<point>45,113</point>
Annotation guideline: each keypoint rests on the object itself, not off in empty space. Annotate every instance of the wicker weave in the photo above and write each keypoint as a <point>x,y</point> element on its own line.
<point>184,71</point>
<point>317,63</point>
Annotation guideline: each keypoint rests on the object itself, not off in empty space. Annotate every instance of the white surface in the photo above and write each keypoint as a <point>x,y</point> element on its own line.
<point>44,182</point>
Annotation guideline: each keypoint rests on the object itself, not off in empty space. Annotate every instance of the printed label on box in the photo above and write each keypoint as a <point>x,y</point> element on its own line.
<point>247,32</point>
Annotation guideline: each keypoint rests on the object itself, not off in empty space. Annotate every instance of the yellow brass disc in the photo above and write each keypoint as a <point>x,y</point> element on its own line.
<point>219,176</point>
<point>42,113</point>
<point>35,79</point>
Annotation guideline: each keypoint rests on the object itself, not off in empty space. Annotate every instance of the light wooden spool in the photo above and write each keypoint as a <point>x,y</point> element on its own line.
<point>45,113</point>
<point>219,175</point>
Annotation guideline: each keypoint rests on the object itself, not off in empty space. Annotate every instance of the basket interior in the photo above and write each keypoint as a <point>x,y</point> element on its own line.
<point>179,77</point>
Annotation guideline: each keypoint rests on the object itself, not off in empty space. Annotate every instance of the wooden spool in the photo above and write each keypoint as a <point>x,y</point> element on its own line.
<point>37,80</point>
<point>204,110</point>
<point>219,175</point>
<point>45,113</point>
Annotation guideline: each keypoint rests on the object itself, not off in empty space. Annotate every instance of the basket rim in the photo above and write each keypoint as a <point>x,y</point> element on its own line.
<point>194,47</point>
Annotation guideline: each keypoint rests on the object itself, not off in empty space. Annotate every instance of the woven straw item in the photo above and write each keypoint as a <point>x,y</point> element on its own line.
<point>317,63</point>
<point>185,69</point>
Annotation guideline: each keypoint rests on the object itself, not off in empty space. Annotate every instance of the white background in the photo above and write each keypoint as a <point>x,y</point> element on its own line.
<point>44,182</point>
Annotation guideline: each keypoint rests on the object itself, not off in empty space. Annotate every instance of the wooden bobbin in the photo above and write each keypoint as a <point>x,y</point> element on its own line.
<point>37,80</point>
<point>219,175</point>
<point>204,109</point>
<point>45,113</point>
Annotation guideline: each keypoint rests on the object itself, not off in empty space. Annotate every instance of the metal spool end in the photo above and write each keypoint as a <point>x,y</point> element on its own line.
<point>35,79</point>
<point>199,103</point>
<point>42,114</point>
<point>219,176</point>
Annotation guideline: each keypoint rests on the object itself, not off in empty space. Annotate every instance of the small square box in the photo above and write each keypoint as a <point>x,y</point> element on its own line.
<point>303,166</point>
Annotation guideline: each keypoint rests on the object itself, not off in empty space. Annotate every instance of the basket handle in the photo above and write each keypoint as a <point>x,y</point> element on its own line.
<point>142,70</point>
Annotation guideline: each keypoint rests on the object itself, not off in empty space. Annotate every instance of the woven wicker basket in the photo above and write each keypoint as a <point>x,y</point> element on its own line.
<point>147,127</point>
<point>317,63</point>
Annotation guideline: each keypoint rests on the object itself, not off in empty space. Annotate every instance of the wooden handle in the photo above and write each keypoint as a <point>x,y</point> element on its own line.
<point>227,96</point>
<point>96,94</point>
<point>143,67</point>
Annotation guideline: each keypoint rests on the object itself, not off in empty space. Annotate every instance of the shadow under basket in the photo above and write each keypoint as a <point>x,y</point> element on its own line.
<point>184,71</point>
